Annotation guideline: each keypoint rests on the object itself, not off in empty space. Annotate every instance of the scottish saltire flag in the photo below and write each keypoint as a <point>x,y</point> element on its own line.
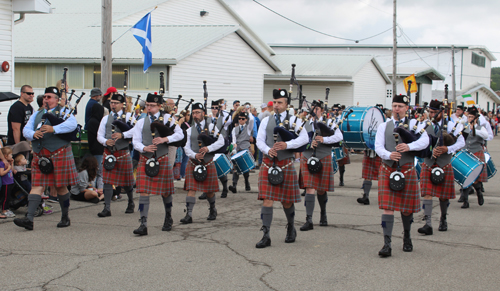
<point>142,32</point>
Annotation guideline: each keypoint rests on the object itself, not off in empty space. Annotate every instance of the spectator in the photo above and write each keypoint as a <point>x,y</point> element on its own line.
<point>264,112</point>
<point>83,190</point>
<point>19,171</point>
<point>96,148</point>
<point>270,108</point>
<point>95,97</point>
<point>107,97</point>
<point>258,153</point>
<point>19,114</point>
<point>184,126</point>
<point>236,104</point>
<point>7,183</point>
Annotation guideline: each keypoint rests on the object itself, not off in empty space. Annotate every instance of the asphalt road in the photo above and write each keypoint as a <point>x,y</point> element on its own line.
<point>103,254</point>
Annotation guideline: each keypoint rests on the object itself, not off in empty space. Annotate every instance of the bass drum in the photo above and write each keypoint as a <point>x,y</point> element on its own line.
<point>360,126</point>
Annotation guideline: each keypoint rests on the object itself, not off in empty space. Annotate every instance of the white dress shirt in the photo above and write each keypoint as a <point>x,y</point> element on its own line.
<point>337,137</point>
<point>211,148</point>
<point>485,123</point>
<point>68,125</point>
<point>137,132</point>
<point>101,133</point>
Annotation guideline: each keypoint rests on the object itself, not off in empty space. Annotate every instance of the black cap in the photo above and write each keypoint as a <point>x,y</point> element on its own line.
<point>243,114</point>
<point>119,98</point>
<point>472,110</point>
<point>317,103</point>
<point>280,93</point>
<point>53,90</point>
<point>461,107</point>
<point>337,105</point>
<point>215,103</point>
<point>435,104</point>
<point>154,98</point>
<point>197,106</point>
<point>401,99</point>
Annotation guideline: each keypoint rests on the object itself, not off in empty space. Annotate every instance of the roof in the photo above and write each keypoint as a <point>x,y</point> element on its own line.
<point>471,47</point>
<point>484,88</point>
<point>429,72</point>
<point>323,67</point>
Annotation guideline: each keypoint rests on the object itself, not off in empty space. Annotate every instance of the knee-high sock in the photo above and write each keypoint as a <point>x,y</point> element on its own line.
<point>190,201</point>
<point>367,186</point>
<point>444,207</point>
<point>223,180</point>
<point>211,201</point>
<point>322,200</point>
<point>309,203</point>
<point>64,203</point>
<point>266,214</point>
<point>407,221</point>
<point>130,193</point>
<point>290,214</point>
<point>428,211</point>
<point>108,194</point>
<point>341,172</point>
<point>167,202</point>
<point>236,177</point>
<point>33,202</point>
<point>246,176</point>
<point>387,224</point>
<point>144,207</point>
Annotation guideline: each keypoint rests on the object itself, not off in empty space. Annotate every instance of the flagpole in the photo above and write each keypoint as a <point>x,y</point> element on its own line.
<point>131,27</point>
<point>106,49</point>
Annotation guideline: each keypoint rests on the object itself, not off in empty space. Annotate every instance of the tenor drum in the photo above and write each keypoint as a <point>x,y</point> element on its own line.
<point>360,126</point>
<point>492,170</point>
<point>243,161</point>
<point>466,168</point>
<point>338,153</point>
<point>222,164</point>
<point>334,164</point>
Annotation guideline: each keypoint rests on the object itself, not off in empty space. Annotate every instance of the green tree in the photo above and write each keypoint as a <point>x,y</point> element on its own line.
<point>495,78</point>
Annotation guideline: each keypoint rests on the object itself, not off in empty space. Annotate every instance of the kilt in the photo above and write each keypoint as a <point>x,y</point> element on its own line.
<point>371,167</point>
<point>211,183</point>
<point>64,173</point>
<point>407,200</point>
<point>346,160</point>
<point>123,172</point>
<point>162,184</point>
<point>445,190</point>
<point>322,181</point>
<point>286,192</point>
<point>484,174</point>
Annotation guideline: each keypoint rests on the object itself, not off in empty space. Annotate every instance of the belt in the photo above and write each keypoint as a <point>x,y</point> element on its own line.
<point>394,169</point>
<point>54,154</point>
<point>285,166</point>
<point>118,158</point>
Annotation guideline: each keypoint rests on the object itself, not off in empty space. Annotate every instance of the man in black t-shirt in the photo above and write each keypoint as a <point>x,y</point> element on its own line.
<point>19,114</point>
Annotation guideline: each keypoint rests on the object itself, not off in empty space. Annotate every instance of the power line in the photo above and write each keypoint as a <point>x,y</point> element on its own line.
<point>317,31</point>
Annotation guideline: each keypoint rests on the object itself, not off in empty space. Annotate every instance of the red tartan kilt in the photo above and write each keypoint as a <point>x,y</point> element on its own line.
<point>322,181</point>
<point>407,200</point>
<point>288,191</point>
<point>346,160</point>
<point>445,190</point>
<point>64,173</point>
<point>211,183</point>
<point>123,172</point>
<point>371,167</point>
<point>162,184</point>
<point>484,174</point>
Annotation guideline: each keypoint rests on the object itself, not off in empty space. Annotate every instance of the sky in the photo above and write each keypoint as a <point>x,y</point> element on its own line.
<point>448,22</point>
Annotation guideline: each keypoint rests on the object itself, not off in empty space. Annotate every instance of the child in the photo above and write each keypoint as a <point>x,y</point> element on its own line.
<point>19,170</point>
<point>7,183</point>
<point>83,191</point>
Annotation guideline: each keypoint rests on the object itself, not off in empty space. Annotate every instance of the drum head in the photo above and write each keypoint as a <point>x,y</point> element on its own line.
<point>239,154</point>
<point>275,175</point>
<point>200,173</point>
<point>397,181</point>
<point>110,162</point>
<point>372,119</point>
<point>314,165</point>
<point>152,167</point>
<point>487,157</point>
<point>437,176</point>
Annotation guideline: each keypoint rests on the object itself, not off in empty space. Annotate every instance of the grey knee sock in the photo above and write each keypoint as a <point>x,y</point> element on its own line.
<point>190,201</point>
<point>167,202</point>
<point>211,201</point>
<point>64,203</point>
<point>309,203</point>
<point>144,207</point>
<point>367,186</point>
<point>33,202</point>
<point>108,194</point>
<point>130,193</point>
<point>387,224</point>
<point>407,221</point>
<point>290,214</point>
<point>428,211</point>
<point>236,177</point>
<point>322,199</point>
<point>266,214</point>
<point>444,207</point>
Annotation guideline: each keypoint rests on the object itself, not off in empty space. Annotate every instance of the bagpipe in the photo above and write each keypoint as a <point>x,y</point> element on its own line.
<point>57,119</point>
<point>125,86</point>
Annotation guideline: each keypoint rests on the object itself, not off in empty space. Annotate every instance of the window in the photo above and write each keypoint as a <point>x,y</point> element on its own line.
<point>478,60</point>
<point>28,74</point>
<point>137,79</point>
<point>488,107</point>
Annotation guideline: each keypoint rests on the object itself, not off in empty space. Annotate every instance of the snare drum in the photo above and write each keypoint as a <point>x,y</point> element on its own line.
<point>360,126</point>
<point>492,170</point>
<point>338,154</point>
<point>466,168</point>
<point>243,161</point>
<point>334,164</point>
<point>222,164</point>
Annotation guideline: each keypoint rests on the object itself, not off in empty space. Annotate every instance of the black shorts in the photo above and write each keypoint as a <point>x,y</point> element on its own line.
<point>79,197</point>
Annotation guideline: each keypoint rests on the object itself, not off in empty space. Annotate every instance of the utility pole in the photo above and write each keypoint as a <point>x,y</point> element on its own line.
<point>453,93</point>
<point>106,51</point>
<point>394,52</point>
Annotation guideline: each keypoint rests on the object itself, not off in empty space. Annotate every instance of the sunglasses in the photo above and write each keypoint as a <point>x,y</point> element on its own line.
<point>46,97</point>
<point>29,93</point>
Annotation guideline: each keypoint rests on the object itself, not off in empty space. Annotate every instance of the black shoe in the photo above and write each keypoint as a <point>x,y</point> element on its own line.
<point>24,222</point>
<point>223,194</point>
<point>303,193</point>
<point>291,233</point>
<point>308,225</point>
<point>104,213</point>
<point>341,183</point>
<point>386,250</point>
<point>465,205</point>
<point>247,186</point>
<point>322,220</point>
<point>167,224</point>
<point>407,245</point>
<point>443,225</point>
<point>266,239</point>
<point>364,200</point>
<point>212,215</point>
<point>426,229</point>
<point>143,229</point>
<point>480,198</point>
<point>187,219</point>
<point>233,189</point>
<point>203,196</point>
<point>130,207</point>
<point>65,222</point>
